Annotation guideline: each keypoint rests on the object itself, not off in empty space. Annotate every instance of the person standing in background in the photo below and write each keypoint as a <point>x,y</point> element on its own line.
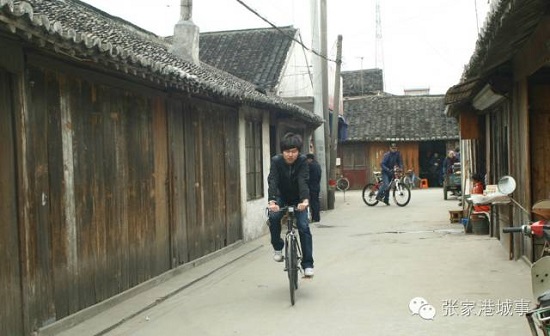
<point>436,170</point>
<point>391,160</point>
<point>314,187</point>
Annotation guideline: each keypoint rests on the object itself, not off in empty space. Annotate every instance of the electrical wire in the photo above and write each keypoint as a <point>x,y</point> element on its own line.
<point>282,32</point>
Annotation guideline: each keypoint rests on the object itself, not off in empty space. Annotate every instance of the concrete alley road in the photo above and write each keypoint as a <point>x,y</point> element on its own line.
<point>370,262</point>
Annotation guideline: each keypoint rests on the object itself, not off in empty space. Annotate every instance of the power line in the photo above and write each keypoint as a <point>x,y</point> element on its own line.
<point>282,32</point>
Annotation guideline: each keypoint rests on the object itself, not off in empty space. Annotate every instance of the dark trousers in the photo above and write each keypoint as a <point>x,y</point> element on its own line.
<point>315,206</point>
<point>383,192</point>
<point>306,240</point>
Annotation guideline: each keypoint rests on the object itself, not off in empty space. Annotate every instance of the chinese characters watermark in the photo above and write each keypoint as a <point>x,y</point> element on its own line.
<point>466,307</point>
<point>485,307</point>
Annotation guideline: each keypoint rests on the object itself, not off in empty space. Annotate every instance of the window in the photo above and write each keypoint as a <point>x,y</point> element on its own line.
<point>254,171</point>
<point>354,157</point>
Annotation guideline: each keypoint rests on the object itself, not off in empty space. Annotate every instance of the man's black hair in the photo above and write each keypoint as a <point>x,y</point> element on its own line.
<point>291,140</point>
<point>310,156</point>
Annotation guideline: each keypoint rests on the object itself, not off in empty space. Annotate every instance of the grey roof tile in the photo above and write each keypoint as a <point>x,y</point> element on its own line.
<point>399,118</point>
<point>255,55</point>
<point>92,37</point>
<point>362,82</point>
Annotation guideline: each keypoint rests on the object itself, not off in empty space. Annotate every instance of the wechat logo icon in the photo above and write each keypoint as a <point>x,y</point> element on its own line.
<point>419,306</point>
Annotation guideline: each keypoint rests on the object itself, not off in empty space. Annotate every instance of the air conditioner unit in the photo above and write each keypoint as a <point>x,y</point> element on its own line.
<point>486,98</point>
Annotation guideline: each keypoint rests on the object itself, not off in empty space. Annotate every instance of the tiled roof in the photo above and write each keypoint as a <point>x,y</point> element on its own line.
<point>508,26</point>
<point>362,82</point>
<point>255,55</point>
<point>92,37</point>
<point>399,118</point>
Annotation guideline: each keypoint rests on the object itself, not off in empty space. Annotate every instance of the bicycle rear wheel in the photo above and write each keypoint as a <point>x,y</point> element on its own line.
<point>292,266</point>
<point>370,191</point>
<point>401,194</point>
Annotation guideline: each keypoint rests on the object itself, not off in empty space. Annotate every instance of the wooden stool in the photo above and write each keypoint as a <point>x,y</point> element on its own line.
<point>423,183</point>
<point>455,216</point>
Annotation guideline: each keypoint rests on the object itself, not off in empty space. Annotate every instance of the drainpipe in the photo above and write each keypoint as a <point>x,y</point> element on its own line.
<point>186,35</point>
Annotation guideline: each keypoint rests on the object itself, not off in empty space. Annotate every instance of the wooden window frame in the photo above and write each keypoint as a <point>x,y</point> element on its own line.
<point>254,155</point>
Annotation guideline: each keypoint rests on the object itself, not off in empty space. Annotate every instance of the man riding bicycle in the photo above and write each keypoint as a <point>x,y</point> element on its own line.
<point>390,160</point>
<point>288,185</point>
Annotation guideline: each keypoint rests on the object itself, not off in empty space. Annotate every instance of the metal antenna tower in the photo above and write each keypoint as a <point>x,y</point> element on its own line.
<point>379,57</point>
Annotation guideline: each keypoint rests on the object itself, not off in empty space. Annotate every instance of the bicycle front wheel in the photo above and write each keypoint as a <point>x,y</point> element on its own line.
<point>401,194</point>
<point>292,266</point>
<point>370,191</point>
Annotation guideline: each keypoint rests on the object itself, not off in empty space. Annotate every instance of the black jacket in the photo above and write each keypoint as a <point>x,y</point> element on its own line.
<point>288,182</point>
<point>314,177</point>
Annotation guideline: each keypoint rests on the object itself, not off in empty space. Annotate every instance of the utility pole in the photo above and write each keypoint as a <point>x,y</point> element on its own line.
<point>320,90</point>
<point>335,115</point>
<point>324,72</point>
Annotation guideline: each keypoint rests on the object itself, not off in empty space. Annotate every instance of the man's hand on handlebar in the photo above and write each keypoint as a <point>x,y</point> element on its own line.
<point>273,206</point>
<point>302,206</point>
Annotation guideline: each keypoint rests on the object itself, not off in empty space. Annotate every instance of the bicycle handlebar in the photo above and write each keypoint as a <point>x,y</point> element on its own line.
<point>288,208</point>
<point>536,229</point>
<point>513,229</point>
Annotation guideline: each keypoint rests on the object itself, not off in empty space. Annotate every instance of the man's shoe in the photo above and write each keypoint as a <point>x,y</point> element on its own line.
<point>308,272</point>
<point>278,256</point>
<point>386,202</point>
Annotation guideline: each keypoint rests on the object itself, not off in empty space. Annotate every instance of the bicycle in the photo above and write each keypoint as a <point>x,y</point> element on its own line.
<point>409,179</point>
<point>293,252</point>
<point>400,192</point>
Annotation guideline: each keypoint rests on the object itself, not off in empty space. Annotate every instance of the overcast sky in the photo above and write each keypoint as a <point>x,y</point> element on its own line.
<point>425,43</point>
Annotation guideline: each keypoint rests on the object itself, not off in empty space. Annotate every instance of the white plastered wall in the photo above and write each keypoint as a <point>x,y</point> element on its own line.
<point>253,212</point>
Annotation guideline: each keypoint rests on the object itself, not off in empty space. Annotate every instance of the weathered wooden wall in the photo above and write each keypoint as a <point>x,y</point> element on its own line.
<point>117,184</point>
<point>10,273</point>
<point>540,142</point>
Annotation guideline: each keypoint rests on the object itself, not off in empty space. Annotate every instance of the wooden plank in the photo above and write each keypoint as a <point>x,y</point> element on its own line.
<point>232,186</point>
<point>10,276</point>
<point>81,119</point>
<point>138,219</point>
<point>37,263</point>
<point>116,184</point>
<point>539,103</point>
<point>218,153</point>
<point>161,252</point>
<point>66,285</point>
<point>193,139</point>
<point>178,199</point>
<point>468,123</point>
<point>94,122</point>
<point>208,122</point>
<point>58,223</point>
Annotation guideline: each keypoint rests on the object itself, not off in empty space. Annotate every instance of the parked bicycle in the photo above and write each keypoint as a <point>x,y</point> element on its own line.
<point>399,191</point>
<point>293,252</point>
<point>410,179</point>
